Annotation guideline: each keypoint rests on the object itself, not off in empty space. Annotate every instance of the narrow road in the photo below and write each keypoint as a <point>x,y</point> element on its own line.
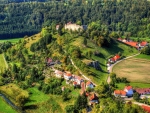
<point>86,78</point>
<point>81,72</point>
<point>111,67</point>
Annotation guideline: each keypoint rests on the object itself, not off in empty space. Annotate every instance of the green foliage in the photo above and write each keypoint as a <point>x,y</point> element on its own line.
<point>146,50</point>
<point>136,96</point>
<point>81,102</point>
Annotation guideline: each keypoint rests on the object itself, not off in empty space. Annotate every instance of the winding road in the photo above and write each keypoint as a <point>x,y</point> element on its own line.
<point>111,67</point>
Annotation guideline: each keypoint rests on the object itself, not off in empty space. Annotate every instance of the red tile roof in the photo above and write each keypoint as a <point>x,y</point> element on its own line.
<point>142,90</point>
<point>68,74</point>
<point>88,83</point>
<point>133,44</point>
<point>146,108</point>
<point>128,87</point>
<point>77,77</point>
<point>119,39</point>
<point>116,57</point>
<point>120,92</point>
<point>74,83</point>
<point>93,97</point>
<point>143,43</point>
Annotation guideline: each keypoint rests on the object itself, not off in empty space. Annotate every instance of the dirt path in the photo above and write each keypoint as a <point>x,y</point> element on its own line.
<point>81,72</point>
<point>111,67</point>
<point>5,61</point>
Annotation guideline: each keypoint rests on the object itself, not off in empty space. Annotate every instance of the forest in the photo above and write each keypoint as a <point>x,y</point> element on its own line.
<point>125,17</point>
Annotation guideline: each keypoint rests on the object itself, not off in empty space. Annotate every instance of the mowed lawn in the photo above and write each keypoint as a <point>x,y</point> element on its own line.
<point>5,108</point>
<point>134,69</point>
<point>2,63</point>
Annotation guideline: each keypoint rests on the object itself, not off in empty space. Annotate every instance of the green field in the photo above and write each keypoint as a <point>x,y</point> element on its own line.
<point>36,96</point>
<point>5,108</point>
<point>3,65</point>
<point>134,85</point>
<point>13,40</point>
<point>142,56</point>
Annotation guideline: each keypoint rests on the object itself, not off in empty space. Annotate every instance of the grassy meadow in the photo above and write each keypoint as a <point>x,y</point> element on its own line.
<point>134,85</point>
<point>100,76</point>
<point>13,40</point>
<point>5,108</point>
<point>3,65</point>
<point>134,69</point>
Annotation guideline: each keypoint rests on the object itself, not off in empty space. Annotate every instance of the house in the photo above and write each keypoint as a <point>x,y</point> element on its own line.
<point>114,59</point>
<point>142,91</point>
<point>67,76</point>
<point>58,73</point>
<point>57,27</point>
<point>49,61</point>
<point>142,44</point>
<point>93,99</point>
<point>119,93</point>
<point>82,88</point>
<point>89,85</point>
<point>73,27</point>
<point>146,108</point>
<point>129,91</point>
<point>77,79</point>
<point>75,83</point>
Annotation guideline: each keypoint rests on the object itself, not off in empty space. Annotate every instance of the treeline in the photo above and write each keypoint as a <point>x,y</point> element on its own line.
<point>125,17</point>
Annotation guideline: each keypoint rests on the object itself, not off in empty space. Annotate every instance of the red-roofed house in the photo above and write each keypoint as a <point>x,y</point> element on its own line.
<point>89,84</point>
<point>114,59</point>
<point>129,91</point>
<point>146,108</point>
<point>67,76</point>
<point>77,79</point>
<point>142,44</point>
<point>93,99</point>
<point>119,93</point>
<point>58,73</point>
<point>143,91</point>
<point>49,62</point>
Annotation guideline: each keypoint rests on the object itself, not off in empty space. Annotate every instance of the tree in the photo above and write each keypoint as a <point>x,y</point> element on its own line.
<point>81,102</point>
<point>136,96</point>
<point>85,41</point>
<point>69,109</point>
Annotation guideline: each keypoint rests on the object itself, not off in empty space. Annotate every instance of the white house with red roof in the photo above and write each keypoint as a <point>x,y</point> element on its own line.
<point>114,59</point>
<point>129,91</point>
<point>120,93</point>
<point>93,99</point>
<point>77,79</point>
<point>67,75</point>
<point>58,74</point>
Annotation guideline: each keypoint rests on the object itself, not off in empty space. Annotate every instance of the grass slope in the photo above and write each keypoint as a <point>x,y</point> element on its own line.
<point>3,65</point>
<point>100,76</point>
<point>5,108</point>
<point>36,97</point>
<point>134,69</point>
<point>13,40</point>
<point>134,85</point>
<point>142,56</point>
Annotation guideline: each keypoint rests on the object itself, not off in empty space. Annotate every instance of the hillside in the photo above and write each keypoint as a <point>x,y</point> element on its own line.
<point>31,72</point>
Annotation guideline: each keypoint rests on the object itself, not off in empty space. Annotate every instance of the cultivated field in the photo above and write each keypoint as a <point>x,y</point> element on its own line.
<point>134,69</point>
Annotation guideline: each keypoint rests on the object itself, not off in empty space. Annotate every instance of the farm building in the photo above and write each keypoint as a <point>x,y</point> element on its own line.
<point>119,93</point>
<point>129,91</point>
<point>143,91</point>
<point>114,59</point>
